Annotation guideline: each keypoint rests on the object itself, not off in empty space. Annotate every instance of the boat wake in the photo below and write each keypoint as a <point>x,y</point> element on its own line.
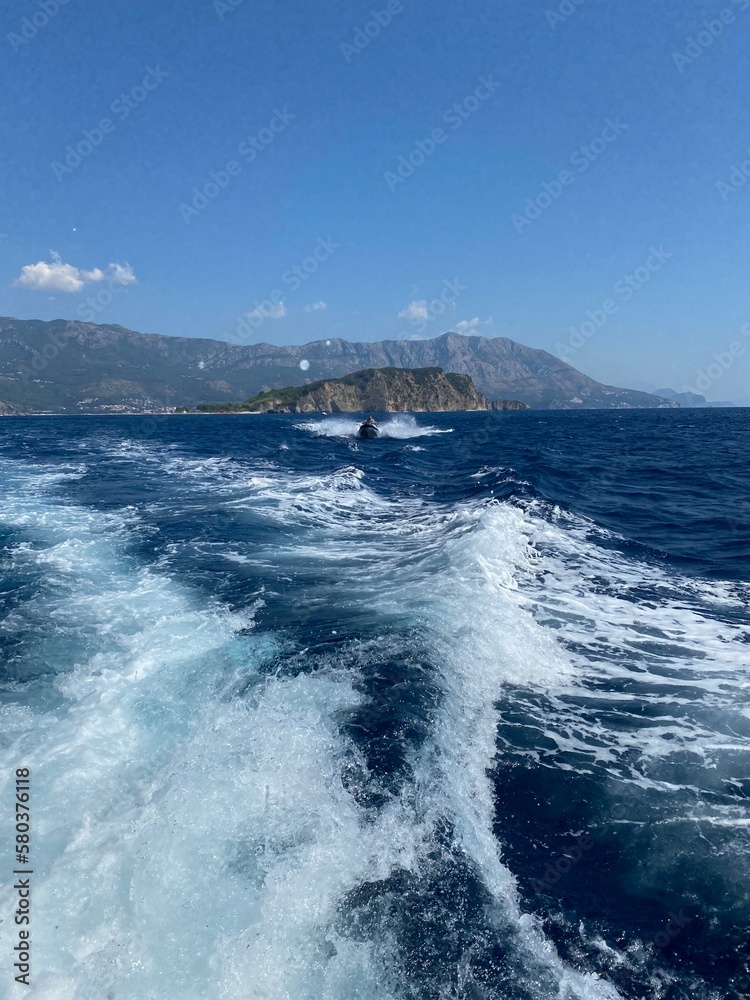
<point>330,787</point>
<point>401,427</point>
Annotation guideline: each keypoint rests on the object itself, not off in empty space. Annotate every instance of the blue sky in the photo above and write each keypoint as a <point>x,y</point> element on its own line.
<point>571,174</point>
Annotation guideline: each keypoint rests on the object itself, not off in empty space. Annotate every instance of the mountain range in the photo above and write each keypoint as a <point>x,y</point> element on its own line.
<point>67,366</point>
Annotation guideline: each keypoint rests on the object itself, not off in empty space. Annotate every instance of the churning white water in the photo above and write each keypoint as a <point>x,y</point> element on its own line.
<point>194,836</point>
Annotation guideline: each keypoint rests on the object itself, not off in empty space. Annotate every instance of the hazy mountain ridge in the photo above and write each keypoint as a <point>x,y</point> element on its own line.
<point>69,366</point>
<point>692,400</point>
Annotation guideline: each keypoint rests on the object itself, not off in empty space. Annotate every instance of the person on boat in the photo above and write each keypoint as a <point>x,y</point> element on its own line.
<point>368,428</point>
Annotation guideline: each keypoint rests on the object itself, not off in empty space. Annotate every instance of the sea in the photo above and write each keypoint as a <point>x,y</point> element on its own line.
<point>460,712</point>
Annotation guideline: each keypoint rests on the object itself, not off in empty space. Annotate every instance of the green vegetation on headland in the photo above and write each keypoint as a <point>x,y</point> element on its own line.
<point>381,390</point>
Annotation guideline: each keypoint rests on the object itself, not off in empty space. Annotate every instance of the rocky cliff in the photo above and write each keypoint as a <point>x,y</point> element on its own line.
<point>508,404</point>
<point>380,390</point>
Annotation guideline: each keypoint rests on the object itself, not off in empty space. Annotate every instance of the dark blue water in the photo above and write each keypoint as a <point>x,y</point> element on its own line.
<point>460,712</point>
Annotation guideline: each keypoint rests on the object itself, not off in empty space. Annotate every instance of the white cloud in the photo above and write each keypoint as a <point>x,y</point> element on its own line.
<point>122,274</point>
<point>316,306</point>
<point>415,311</point>
<point>470,325</point>
<point>55,276</point>
<point>268,311</point>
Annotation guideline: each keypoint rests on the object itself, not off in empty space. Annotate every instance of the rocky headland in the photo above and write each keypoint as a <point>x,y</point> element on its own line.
<point>380,390</point>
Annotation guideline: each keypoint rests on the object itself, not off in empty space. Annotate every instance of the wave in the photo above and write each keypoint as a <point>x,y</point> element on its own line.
<point>402,427</point>
<point>332,856</point>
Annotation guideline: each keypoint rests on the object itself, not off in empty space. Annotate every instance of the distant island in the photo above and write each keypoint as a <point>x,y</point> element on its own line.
<point>692,400</point>
<point>380,390</point>
<point>66,366</point>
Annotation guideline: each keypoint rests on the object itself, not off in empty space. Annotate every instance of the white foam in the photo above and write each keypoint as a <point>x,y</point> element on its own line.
<point>685,638</point>
<point>153,895</point>
<point>401,427</point>
<point>483,644</point>
<point>206,841</point>
<point>459,573</point>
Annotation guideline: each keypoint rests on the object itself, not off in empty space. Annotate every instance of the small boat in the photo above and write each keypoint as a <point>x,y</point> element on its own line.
<point>368,429</point>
